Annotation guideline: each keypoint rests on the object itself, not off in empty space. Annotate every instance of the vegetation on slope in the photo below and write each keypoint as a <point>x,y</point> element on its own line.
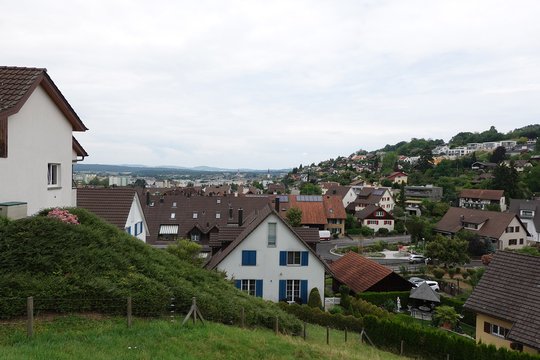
<point>94,261</point>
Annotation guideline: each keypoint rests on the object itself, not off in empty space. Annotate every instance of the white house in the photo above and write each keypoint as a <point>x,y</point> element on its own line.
<point>118,206</point>
<point>271,260</point>
<point>37,147</point>
<point>529,213</point>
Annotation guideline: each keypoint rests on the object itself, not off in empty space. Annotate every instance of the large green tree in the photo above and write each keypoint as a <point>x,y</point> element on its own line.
<point>447,250</point>
<point>308,188</point>
<point>294,216</point>
<point>506,178</point>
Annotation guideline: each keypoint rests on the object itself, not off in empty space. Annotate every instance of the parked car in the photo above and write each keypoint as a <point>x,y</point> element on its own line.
<point>416,258</point>
<point>433,284</point>
<point>416,281</point>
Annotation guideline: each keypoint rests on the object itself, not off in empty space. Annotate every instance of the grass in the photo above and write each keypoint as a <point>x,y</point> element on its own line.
<point>109,338</point>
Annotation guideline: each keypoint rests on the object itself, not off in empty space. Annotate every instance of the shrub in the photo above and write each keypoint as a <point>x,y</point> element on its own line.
<point>383,231</point>
<point>445,316</point>
<point>345,296</point>
<point>379,298</point>
<point>366,231</point>
<point>336,309</point>
<point>314,299</point>
<point>404,270</point>
<point>451,272</point>
<point>438,273</point>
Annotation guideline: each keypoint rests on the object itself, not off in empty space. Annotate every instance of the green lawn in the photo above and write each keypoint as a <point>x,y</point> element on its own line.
<point>80,338</point>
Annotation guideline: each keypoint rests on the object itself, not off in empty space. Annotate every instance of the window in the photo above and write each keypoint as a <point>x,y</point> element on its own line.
<point>292,292</point>
<point>128,230</point>
<point>373,222</point>
<point>387,222</point>
<point>174,204</point>
<point>138,228</point>
<point>379,213</point>
<point>272,228</point>
<point>218,215</point>
<point>195,236</point>
<point>516,229</point>
<point>510,229</point>
<point>249,257</point>
<point>527,213</point>
<point>521,241</point>
<point>495,329</point>
<point>249,286</point>
<point>173,215</point>
<point>195,215</point>
<point>53,175</point>
<point>293,258</point>
<point>512,242</point>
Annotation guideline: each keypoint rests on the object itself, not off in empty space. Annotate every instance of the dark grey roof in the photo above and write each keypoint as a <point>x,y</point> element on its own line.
<point>510,290</point>
<point>425,292</point>
<point>532,205</point>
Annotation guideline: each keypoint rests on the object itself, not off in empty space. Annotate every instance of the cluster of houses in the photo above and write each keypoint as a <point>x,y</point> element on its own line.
<point>511,146</point>
<point>246,233</point>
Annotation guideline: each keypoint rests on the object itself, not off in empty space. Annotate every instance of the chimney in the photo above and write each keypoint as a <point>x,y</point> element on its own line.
<point>240,216</point>
<point>277,204</point>
<point>147,198</point>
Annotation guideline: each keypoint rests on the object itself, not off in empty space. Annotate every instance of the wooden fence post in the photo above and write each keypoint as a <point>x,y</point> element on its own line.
<point>30,316</point>
<point>277,325</point>
<point>401,349</point>
<point>345,334</point>
<point>304,330</point>
<point>242,317</point>
<point>327,335</point>
<point>129,312</point>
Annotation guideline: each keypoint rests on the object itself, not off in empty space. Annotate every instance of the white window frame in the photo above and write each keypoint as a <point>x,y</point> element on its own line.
<point>293,259</point>
<point>272,238</point>
<point>53,175</point>
<point>292,289</point>
<point>249,286</point>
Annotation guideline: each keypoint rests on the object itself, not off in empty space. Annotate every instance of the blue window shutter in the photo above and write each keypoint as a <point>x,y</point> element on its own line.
<point>282,290</point>
<point>245,257</point>
<point>238,284</point>
<point>259,288</point>
<point>253,258</point>
<point>303,291</point>
<point>282,258</point>
<point>305,255</point>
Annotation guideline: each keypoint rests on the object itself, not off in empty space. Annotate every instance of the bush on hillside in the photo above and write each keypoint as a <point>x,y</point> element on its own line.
<point>85,264</point>
<point>314,299</point>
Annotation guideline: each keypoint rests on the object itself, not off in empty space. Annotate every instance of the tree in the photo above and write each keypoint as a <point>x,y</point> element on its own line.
<point>418,228</point>
<point>445,316</point>
<point>400,201</point>
<point>425,161</point>
<point>532,179</point>
<point>308,188</point>
<point>314,300</point>
<point>477,245</point>
<point>257,185</point>
<point>447,250</point>
<point>294,217</point>
<point>498,155</point>
<point>186,250</point>
<point>140,183</point>
<point>507,178</point>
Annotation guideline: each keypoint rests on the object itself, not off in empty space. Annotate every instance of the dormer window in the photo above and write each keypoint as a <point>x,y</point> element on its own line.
<point>527,213</point>
<point>174,204</point>
<point>173,215</point>
<point>195,215</point>
<point>218,215</point>
<point>218,201</point>
<point>379,213</point>
<point>470,226</point>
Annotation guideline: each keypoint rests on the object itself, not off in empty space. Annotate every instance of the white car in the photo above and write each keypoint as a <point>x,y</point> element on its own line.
<point>416,281</point>
<point>416,258</point>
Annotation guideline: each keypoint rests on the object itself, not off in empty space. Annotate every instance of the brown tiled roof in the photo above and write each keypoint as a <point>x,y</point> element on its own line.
<point>333,205</point>
<point>510,290</point>
<point>495,223</point>
<point>396,174</point>
<point>16,85</point>
<point>369,213</point>
<point>358,272</point>
<point>313,212</point>
<point>111,204</point>
<point>481,194</point>
<point>309,235</point>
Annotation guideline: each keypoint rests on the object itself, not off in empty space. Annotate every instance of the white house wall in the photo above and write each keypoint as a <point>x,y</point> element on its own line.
<point>267,266</point>
<point>38,134</point>
<point>505,237</point>
<point>136,216</point>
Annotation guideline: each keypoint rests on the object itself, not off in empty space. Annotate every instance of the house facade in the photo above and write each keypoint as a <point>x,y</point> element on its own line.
<point>37,147</point>
<point>482,199</point>
<point>504,230</point>
<point>507,316</point>
<point>271,260</point>
<point>529,213</point>
<point>376,218</point>
<point>398,177</point>
<point>380,196</point>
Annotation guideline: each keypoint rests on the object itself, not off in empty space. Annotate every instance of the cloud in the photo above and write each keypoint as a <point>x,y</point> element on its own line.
<point>275,84</point>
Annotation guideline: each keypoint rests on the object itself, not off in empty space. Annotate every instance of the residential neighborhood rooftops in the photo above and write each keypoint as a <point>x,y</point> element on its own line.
<point>110,204</point>
<point>510,290</point>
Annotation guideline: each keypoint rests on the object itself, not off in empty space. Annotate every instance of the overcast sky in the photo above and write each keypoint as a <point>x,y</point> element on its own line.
<point>273,84</point>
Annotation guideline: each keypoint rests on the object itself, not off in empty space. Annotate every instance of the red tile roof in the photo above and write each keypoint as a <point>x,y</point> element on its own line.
<point>358,272</point>
<point>333,205</point>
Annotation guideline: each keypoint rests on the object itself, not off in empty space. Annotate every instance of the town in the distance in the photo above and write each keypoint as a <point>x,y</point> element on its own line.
<point>451,227</point>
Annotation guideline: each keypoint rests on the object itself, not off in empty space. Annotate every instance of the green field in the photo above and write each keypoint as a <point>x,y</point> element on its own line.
<point>74,337</point>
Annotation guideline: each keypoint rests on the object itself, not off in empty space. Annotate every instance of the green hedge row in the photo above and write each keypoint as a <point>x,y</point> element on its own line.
<point>427,343</point>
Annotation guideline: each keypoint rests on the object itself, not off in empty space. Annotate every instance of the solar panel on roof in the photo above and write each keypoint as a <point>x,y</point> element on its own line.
<point>378,192</point>
<point>283,198</point>
<point>309,198</point>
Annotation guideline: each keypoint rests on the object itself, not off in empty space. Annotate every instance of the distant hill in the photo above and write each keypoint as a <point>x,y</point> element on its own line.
<point>94,261</point>
<point>140,169</point>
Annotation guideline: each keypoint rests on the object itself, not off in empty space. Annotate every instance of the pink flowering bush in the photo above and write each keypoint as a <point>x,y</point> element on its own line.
<point>63,215</point>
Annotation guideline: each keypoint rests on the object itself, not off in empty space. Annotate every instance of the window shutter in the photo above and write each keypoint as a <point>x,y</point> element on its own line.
<point>253,258</point>
<point>282,290</point>
<point>259,288</point>
<point>238,284</point>
<point>304,258</point>
<point>487,327</point>
<point>245,257</point>
<point>303,291</point>
<point>282,258</point>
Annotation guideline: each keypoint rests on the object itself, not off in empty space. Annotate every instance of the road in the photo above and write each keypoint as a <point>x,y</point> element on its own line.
<point>324,247</point>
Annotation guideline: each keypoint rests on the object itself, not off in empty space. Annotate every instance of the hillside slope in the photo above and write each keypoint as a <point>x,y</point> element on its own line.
<point>94,262</point>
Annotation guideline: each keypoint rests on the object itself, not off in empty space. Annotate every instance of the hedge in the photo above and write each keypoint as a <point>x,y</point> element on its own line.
<point>427,343</point>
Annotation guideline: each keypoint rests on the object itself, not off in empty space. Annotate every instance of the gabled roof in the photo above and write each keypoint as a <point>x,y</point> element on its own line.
<point>359,273</point>
<point>18,83</point>
<point>396,174</point>
<point>79,150</point>
<point>516,205</point>
<point>510,290</point>
<point>369,211</point>
<point>495,223</point>
<point>248,229</point>
<point>111,204</point>
<point>482,194</point>
<point>425,292</point>
<point>337,190</point>
<point>333,206</point>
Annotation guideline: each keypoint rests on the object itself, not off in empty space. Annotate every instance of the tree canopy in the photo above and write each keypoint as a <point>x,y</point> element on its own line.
<point>447,250</point>
<point>294,216</point>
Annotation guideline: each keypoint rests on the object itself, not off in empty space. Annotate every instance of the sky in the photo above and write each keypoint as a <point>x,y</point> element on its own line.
<point>274,84</point>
